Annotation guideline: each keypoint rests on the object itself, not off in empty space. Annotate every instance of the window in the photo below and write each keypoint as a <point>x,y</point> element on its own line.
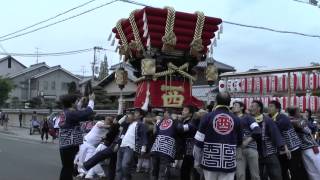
<point>45,85</point>
<point>64,86</point>
<point>9,62</point>
<point>53,85</point>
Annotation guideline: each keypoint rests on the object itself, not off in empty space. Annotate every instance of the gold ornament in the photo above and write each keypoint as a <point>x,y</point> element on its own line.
<point>121,77</point>
<point>148,67</point>
<point>211,73</point>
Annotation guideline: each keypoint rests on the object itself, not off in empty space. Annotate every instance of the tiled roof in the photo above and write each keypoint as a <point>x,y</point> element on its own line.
<point>29,69</point>
<point>52,69</point>
<point>201,92</point>
<point>219,65</point>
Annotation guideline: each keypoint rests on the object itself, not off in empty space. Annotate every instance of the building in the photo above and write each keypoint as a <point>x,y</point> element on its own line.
<point>52,83</point>
<point>200,88</point>
<point>22,81</point>
<point>41,80</point>
<point>9,65</point>
<point>113,91</point>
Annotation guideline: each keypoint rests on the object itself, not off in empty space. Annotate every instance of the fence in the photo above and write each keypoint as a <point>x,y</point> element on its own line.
<point>41,113</point>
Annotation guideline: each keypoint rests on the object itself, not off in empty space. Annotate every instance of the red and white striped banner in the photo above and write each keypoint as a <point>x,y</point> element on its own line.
<point>267,84</point>
<point>303,81</point>
<point>244,85</point>
<point>304,103</point>
<point>295,101</point>
<point>313,81</point>
<point>283,84</point>
<point>314,103</point>
<point>250,84</point>
<point>294,81</point>
<point>274,83</point>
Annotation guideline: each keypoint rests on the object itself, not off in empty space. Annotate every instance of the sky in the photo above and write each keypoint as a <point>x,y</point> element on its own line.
<point>242,48</point>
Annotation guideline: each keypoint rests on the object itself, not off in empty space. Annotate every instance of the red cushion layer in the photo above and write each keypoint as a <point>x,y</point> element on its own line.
<point>181,15</point>
<point>179,46</point>
<point>158,37</point>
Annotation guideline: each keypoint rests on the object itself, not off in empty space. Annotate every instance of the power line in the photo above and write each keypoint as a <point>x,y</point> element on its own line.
<point>50,54</point>
<point>63,53</point>
<point>46,20</point>
<point>310,2</point>
<point>3,49</point>
<point>273,30</point>
<point>66,19</point>
<point>243,25</point>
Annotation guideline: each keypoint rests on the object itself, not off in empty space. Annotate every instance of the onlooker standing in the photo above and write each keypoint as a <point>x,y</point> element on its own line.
<point>2,115</point>
<point>20,119</point>
<point>44,129</point>
<point>5,121</point>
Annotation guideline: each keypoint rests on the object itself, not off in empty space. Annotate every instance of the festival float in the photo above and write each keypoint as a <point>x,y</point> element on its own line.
<point>163,45</point>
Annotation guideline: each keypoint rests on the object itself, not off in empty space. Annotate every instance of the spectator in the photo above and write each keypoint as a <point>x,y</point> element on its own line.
<point>20,119</point>
<point>5,121</point>
<point>44,129</point>
<point>2,116</point>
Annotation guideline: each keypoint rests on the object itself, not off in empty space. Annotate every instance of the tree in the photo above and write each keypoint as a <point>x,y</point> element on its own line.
<point>102,101</point>
<point>72,88</point>
<point>15,103</point>
<point>35,102</point>
<point>104,72</point>
<point>315,64</point>
<point>5,88</point>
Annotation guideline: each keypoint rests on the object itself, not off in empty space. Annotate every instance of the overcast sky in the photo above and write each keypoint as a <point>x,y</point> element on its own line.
<point>240,47</point>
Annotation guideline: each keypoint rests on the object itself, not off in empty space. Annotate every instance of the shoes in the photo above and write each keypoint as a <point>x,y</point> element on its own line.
<point>89,176</point>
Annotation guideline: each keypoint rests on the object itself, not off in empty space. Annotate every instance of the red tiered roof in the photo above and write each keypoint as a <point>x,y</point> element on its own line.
<point>151,23</point>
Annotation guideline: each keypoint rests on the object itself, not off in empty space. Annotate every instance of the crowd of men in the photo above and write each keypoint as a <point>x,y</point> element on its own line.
<point>224,142</point>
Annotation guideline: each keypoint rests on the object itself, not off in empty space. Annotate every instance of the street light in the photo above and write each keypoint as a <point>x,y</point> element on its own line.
<point>121,77</point>
<point>211,72</point>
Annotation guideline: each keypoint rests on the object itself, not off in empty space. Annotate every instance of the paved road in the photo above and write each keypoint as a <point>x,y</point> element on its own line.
<point>22,159</point>
<point>26,159</point>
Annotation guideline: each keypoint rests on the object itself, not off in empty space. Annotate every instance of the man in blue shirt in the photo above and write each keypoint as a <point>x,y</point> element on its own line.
<point>218,136</point>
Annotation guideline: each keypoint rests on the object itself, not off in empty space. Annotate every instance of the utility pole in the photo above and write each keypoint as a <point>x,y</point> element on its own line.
<point>37,55</point>
<point>83,70</point>
<point>95,59</point>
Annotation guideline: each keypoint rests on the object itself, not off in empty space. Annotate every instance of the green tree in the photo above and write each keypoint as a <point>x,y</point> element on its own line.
<point>5,88</point>
<point>104,71</point>
<point>315,64</point>
<point>102,101</point>
<point>15,103</point>
<point>72,88</point>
